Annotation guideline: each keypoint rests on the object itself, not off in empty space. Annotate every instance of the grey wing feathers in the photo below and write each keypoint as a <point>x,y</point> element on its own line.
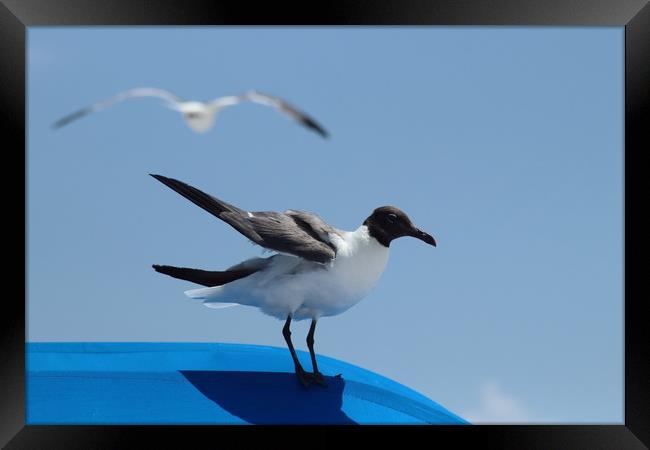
<point>211,278</point>
<point>282,233</point>
<point>170,98</point>
<point>72,117</point>
<point>218,208</point>
<point>286,108</point>
<point>206,278</point>
<point>296,233</point>
<point>254,264</point>
<point>312,224</point>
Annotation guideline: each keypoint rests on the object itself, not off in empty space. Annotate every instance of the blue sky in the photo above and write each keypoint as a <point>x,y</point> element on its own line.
<point>506,144</point>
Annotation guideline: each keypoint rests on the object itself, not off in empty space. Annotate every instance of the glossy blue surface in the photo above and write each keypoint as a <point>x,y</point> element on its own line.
<point>188,383</point>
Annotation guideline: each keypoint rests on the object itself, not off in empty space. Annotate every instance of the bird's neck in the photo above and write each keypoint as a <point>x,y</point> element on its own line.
<point>361,259</point>
<point>377,233</point>
<point>361,239</point>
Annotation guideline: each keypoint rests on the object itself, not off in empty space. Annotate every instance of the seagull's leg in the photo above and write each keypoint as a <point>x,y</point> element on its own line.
<point>300,372</point>
<point>317,376</point>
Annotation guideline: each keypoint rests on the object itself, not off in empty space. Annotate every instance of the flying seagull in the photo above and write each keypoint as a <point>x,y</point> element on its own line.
<point>199,116</point>
<point>318,271</point>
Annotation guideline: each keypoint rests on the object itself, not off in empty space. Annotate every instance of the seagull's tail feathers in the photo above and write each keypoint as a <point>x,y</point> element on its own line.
<point>205,294</point>
<point>210,297</point>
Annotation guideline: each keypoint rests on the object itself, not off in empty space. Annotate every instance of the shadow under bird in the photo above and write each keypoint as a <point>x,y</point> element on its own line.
<point>199,116</point>
<point>318,271</point>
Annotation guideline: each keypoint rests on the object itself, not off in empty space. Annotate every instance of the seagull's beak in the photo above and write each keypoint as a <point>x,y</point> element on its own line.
<point>424,237</point>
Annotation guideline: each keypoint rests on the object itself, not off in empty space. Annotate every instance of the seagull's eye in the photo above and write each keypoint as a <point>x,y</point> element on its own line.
<point>392,218</point>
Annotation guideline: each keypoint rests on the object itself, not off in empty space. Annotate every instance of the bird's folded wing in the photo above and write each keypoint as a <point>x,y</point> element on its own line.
<point>297,233</point>
<point>169,97</point>
<point>208,278</point>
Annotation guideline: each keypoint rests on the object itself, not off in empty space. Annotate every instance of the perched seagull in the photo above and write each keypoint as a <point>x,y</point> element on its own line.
<point>318,271</point>
<point>199,116</point>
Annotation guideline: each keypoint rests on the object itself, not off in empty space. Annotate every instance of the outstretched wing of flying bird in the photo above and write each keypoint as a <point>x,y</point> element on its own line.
<point>297,233</point>
<point>171,99</point>
<point>275,102</point>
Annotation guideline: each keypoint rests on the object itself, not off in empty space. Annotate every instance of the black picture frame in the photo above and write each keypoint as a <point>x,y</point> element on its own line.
<point>634,15</point>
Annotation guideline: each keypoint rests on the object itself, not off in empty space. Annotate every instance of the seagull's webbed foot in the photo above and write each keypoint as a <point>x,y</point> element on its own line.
<point>317,377</point>
<point>305,378</point>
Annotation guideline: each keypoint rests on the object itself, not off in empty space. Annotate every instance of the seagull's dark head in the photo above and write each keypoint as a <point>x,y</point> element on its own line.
<point>387,223</point>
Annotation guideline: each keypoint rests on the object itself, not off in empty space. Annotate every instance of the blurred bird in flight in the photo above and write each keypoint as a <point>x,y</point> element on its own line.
<point>199,116</point>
